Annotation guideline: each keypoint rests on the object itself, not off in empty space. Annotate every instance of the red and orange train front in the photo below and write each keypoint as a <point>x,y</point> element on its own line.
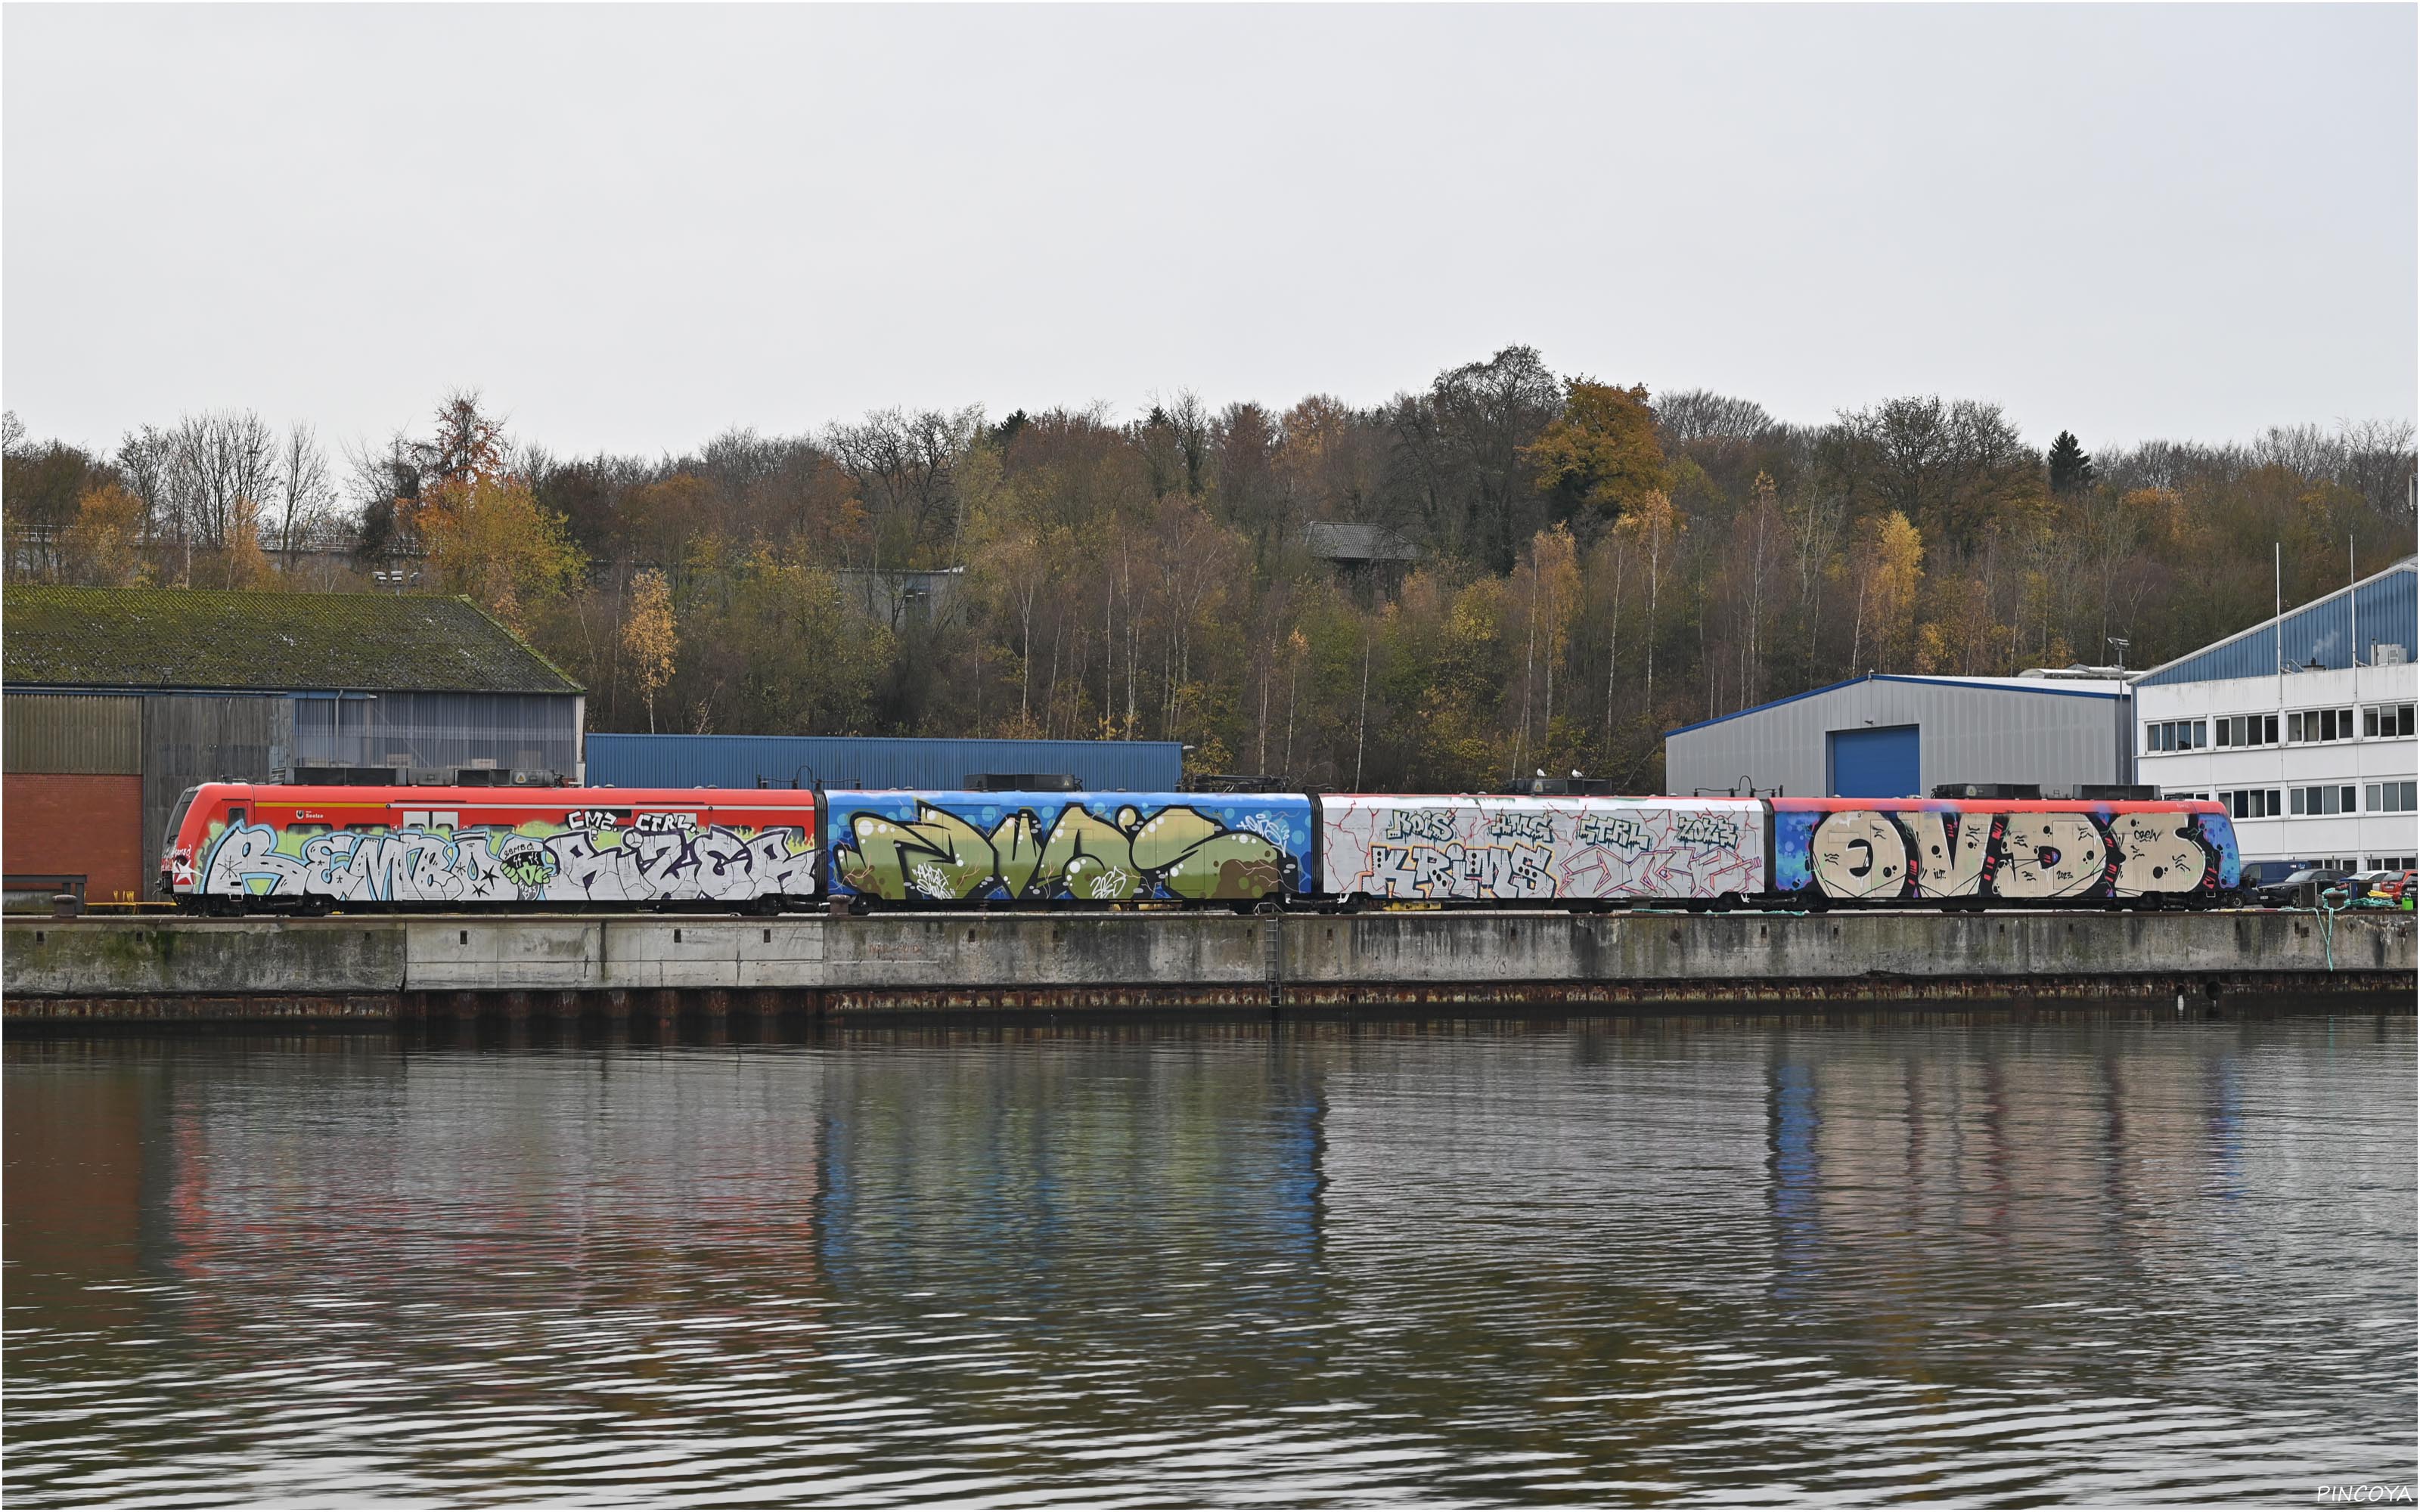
<point>234,843</point>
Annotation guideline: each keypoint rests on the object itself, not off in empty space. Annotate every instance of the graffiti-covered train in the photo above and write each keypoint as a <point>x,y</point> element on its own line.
<point>235,847</point>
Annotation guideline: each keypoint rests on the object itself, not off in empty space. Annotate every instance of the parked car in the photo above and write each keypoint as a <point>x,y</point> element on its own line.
<point>2394,887</point>
<point>2289,891</point>
<point>2258,874</point>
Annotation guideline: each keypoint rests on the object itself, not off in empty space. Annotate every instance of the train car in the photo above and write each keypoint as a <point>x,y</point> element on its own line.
<point>1979,853</point>
<point>1585,850</point>
<point>900,846</point>
<point>240,846</point>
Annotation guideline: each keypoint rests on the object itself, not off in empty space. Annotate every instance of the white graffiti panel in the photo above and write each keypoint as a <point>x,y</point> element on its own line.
<point>2052,856</point>
<point>1517,847</point>
<point>1859,853</point>
<point>481,864</point>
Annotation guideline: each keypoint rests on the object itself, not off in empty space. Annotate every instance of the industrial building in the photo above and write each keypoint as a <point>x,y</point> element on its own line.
<point>1881,736</point>
<point>870,761</point>
<point>2302,725</point>
<point>117,699</point>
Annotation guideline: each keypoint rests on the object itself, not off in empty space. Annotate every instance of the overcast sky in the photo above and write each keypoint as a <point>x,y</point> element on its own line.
<point>635,227</point>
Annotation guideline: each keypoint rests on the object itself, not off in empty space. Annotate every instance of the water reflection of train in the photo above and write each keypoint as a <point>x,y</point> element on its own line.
<point>234,847</point>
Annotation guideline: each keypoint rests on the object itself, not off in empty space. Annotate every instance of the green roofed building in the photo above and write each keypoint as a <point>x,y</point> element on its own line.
<point>118,699</point>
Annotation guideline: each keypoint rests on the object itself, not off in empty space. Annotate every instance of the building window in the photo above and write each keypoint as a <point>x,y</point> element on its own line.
<point>2391,797</point>
<point>2391,863</point>
<point>2388,721</point>
<point>2319,724</point>
<point>2247,730</point>
<point>2176,734</point>
<point>2326,800</point>
<point>2248,803</point>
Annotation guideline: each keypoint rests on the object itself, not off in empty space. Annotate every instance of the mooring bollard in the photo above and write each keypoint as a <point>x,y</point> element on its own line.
<point>66,905</point>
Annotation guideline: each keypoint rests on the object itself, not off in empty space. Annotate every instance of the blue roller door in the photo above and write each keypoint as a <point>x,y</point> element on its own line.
<point>1874,763</point>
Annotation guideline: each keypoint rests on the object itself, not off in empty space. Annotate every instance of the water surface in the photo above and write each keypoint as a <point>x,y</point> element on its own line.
<point>2087,1258</point>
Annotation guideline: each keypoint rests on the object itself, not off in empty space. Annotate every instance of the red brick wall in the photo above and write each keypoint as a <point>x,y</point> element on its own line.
<point>75,825</point>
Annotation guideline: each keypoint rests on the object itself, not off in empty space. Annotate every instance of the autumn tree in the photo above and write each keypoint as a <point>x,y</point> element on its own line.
<point>1546,586</point>
<point>1600,457</point>
<point>1651,528</point>
<point>1151,576</point>
<point>1889,568</point>
<point>651,638</point>
<point>487,537</point>
<point>105,546</point>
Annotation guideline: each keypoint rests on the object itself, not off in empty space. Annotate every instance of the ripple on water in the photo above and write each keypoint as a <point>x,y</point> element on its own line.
<point>2093,1259</point>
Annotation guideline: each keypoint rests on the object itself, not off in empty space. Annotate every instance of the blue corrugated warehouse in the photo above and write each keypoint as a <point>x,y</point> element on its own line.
<point>875,762</point>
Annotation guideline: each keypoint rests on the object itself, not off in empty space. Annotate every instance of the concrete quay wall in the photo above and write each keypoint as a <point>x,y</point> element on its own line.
<point>152,969</point>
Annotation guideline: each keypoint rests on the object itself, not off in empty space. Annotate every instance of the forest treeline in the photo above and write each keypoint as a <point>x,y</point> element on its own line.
<point>1543,571</point>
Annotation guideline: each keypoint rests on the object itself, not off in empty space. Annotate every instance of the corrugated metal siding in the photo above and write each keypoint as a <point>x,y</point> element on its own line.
<point>1967,735</point>
<point>2321,631</point>
<point>533,731</point>
<point>198,738</point>
<point>873,762</point>
<point>92,734</point>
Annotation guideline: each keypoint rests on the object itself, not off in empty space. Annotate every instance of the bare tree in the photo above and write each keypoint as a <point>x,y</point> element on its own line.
<point>1701,414</point>
<point>905,468</point>
<point>306,489</point>
<point>215,470</point>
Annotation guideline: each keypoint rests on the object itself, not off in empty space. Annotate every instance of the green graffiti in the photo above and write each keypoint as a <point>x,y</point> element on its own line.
<point>524,862</point>
<point>1178,852</point>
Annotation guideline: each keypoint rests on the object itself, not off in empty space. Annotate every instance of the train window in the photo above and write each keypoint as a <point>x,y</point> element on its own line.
<point>177,815</point>
<point>235,816</point>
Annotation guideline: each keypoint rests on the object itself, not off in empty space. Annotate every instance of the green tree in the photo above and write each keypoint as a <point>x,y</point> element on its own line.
<point>2071,470</point>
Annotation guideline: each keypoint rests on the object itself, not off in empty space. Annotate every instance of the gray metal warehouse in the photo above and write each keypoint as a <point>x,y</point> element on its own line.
<point>118,699</point>
<point>1883,737</point>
